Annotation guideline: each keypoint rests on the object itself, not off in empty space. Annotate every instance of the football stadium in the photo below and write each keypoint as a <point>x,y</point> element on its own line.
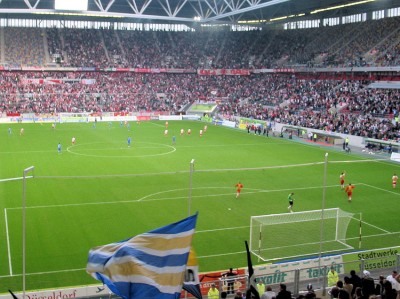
<point>199,149</point>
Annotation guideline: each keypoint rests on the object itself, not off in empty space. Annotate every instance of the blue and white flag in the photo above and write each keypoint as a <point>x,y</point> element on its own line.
<point>150,265</point>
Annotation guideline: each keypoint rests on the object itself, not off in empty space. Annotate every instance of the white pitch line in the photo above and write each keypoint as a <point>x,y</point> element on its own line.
<point>153,123</point>
<point>8,243</point>
<point>46,272</point>
<point>374,226</point>
<point>222,254</point>
<point>15,179</point>
<point>221,229</point>
<point>381,189</point>
<point>183,171</point>
<point>205,256</point>
<point>171,198</point>
<point>359,161</point>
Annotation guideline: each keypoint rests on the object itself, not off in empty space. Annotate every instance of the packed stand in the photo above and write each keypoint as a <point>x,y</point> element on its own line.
<point>357,44</point>
<point>84,48</point>
<point>341,106</point>
<point>54,44</point>
<point>27,49</point>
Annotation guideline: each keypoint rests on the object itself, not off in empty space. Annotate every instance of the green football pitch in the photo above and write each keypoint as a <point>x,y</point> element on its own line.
<point>100,191</point>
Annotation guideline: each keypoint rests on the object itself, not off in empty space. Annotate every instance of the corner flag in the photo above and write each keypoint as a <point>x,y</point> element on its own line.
<point>150,265</point>
<point>252,287</point>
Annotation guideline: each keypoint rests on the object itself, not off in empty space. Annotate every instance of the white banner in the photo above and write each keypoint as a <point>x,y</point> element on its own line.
<point>80,292</point>
<point>309,269</point>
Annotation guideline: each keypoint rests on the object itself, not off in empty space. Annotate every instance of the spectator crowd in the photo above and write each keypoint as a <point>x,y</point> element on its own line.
<point>334,104</point>
<point>367,43</point>
<point>351,286</point>
<point>343,106</point>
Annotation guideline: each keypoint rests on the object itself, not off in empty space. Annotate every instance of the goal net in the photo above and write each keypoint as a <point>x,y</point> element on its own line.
<point>288,235</point>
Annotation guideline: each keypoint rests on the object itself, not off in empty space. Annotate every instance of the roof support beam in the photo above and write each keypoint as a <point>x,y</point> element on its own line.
<point>99,5</point>
<point>109,4</point>
<point>243,10</point>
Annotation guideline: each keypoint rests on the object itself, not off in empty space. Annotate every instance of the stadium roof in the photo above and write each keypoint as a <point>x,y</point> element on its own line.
<point>206,11</point>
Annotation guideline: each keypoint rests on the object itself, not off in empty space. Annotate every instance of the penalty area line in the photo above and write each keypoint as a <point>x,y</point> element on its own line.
<point>15,179</point>
<point>381,189</point>
<point>44,273</point>
<point>8,243</point>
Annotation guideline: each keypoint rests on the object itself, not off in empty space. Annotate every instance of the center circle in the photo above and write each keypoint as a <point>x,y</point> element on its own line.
<point>120,150</point>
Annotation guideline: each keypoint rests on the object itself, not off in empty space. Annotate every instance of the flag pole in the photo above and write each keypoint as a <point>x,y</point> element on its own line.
<point>321,236</point>
<point>24,228</point>
<point>190,184</point>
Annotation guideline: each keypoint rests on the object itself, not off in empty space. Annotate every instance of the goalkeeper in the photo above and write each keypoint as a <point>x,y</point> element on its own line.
<point>291,200</point>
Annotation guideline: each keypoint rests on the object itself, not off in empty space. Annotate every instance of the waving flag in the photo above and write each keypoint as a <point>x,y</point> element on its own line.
<point>150,265</point>
<point>13,295</point>
<point>192,283</point>
<point>251,286</point>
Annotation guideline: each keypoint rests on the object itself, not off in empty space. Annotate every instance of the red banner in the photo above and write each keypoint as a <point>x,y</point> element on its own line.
<point>121,113</point>
<point>143,117</point>
<point>224,72</point>
<point>13,114</point>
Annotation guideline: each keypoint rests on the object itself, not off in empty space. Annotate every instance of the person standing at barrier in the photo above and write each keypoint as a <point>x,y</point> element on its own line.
<point>260,286</point>
<point>379,286</point>
<point>268,294</point>
<point>389,292</point>
<point>310,292</point>
<point>367,284</point>
<point>213,292</point>
<point>333,277</point>
<point>394,279</point>
<point>283,292</point>
<point>230,279</point>
<point>355,280</point>
<point>347,286</point>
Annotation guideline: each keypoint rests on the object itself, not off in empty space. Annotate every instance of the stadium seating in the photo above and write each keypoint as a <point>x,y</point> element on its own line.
<point>333,103</point>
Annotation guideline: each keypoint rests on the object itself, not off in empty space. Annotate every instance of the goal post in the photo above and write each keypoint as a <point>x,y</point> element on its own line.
<point>289,235</point>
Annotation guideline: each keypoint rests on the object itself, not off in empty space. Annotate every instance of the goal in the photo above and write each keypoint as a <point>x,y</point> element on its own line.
<point>289,235</point>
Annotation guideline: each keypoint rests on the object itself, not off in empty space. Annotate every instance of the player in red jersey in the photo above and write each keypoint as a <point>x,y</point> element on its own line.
<point>394,180</point>
<point>341,178</point>
<point>239,187</point>
<point>349,191</point>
